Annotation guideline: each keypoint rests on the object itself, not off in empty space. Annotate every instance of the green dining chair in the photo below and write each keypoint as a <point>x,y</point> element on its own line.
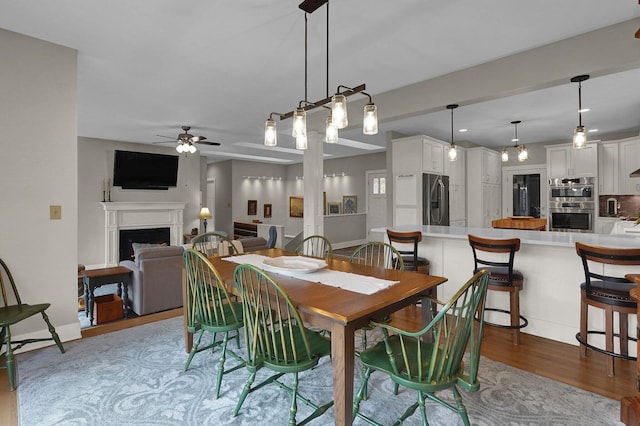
<point>315,246</point>
<point>12,311</point>
<point>276,339</point>
<point>432,365</point>
<point>378,255</point>
<point>210,308</point>
<point>209,243</point>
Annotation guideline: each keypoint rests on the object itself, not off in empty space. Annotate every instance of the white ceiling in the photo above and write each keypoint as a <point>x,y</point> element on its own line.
<point>147,67</point>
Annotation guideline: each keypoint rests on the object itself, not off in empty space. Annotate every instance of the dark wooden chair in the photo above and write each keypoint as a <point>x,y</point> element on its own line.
<point>12,311</point>
<point>497,256</point>
<point>610,293</point>
<point>408,248</point>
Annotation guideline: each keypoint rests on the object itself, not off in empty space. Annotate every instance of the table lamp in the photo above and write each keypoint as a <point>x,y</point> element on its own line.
<point>204,215</point>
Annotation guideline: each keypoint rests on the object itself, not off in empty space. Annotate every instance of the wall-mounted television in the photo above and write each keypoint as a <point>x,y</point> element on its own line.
<point>144,170</point>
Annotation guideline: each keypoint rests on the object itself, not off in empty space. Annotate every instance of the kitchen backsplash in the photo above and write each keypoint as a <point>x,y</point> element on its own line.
<point>628,205</point>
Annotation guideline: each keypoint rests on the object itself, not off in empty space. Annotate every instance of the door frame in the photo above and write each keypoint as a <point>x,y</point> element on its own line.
<point>368,173</point>
<point>507,186</point>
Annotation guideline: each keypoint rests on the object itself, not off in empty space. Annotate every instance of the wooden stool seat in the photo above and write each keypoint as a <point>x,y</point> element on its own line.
<point>609,293</point>
<point>498,260</point>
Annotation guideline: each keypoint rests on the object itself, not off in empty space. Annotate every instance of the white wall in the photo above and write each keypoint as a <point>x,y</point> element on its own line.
<point>95,163</point>
<point>38,168</point>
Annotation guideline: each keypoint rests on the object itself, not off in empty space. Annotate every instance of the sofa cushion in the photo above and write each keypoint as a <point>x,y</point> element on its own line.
<point>156,252</point>
<point>139,246</point>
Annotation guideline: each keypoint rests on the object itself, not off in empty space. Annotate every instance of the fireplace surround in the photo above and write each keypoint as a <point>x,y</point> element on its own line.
<point>139,215</point>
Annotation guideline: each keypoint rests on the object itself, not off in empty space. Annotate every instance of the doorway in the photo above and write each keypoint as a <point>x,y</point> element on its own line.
<point>211,201</point>
<point>376,200</point>
<point>524,191</point>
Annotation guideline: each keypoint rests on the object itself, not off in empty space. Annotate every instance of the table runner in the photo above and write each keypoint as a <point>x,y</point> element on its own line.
<point>362,284</point>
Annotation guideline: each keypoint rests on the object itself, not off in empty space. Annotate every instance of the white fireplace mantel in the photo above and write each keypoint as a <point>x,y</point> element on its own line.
<point>141,215</point>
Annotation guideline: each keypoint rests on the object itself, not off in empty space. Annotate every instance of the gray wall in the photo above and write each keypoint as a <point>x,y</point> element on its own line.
<point>95,163</point>
<point>38,168</point>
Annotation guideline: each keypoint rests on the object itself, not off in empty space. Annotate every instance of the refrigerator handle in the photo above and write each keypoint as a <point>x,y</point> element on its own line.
<point>442,197</point>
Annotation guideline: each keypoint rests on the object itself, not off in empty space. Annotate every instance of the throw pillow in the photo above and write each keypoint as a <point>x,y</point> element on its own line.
<point>138,246</point>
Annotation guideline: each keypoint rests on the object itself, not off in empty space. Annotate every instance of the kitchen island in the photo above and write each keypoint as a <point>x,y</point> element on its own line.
<point>552,271</point>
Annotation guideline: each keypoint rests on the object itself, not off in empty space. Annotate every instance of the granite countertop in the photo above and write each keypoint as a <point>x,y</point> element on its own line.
<point>559,239</point>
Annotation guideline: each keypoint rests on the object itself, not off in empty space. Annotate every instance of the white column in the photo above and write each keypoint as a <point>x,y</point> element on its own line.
<point>313,171</point>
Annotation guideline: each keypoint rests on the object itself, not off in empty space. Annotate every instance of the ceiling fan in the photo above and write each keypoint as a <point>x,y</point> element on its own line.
<point>186,141</point>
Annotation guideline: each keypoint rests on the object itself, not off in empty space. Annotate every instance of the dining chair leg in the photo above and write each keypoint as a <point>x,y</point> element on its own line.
<point>624,333</point>
<point>584,319</point>
<point>9,359</point>
<point>245,392</point>
<point>194,350</point>
<point>221,361</point>
<point>608,321</point>
<point>294,401</point>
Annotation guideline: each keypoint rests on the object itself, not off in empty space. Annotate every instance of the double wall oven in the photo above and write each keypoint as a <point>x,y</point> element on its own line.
<point>572,205</point>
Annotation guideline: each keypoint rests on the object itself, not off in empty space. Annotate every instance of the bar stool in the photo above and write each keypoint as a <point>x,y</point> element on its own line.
<point>412,262</point>
<point>610,293</point>
<point>502,276</point>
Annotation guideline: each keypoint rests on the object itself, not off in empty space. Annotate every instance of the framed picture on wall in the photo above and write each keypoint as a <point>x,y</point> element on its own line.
<point>334,207</point>
<point>296,206</point>
<point>349,204</point>
<point>252,207</point>
<point>267,210</point>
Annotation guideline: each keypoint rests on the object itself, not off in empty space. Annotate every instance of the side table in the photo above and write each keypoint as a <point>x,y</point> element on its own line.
<point>97,277</point>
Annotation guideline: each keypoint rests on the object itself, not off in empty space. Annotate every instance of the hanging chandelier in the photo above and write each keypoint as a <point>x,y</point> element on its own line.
<point>452,153</point>
<point>523,152</point>
<point>337,118</point>
<point>580,134</point>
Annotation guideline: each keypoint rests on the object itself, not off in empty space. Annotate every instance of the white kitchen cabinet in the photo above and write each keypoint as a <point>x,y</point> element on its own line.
<point>483,187</point>
<point>608,169</point>
<point>629,162</point>
<point>566,161</point>
<point>604,225</point>
<point>407,199</point>
<point>406,155</point>
<point>432,156</point>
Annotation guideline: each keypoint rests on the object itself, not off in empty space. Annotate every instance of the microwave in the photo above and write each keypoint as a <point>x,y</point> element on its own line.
<point>572,189</point>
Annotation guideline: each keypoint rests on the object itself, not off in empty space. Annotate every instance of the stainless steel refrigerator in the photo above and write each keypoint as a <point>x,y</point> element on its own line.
<point>435,199</point>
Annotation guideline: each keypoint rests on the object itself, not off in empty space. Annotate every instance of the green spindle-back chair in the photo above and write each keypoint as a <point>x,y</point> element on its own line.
<point>315,246</point>
<point>276,338</point>
<point>12,311</point>
<point>209,243</point>
<point>210,308</point>
<point>431,366</point>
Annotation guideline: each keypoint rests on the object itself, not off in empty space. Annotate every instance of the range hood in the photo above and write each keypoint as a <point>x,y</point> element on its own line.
<point>635,174</point>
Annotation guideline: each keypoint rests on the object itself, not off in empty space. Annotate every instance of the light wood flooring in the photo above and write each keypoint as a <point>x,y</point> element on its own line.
<point>558,361</point>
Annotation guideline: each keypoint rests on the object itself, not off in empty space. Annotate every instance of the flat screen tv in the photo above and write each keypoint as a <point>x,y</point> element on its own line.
<point>143,170</point>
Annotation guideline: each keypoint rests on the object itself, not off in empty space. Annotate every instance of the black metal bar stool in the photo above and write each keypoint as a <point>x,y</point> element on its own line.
<point>502,277</point>
<point>412,262</point>
<point>610,293</point>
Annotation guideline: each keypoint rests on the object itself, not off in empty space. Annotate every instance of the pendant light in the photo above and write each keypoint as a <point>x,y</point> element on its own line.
<point>580,134</point>
<point>370,120</point>
<point>452,154</point>
<point>330,131</point>
<point>270,133</point>
<point>523,152</point>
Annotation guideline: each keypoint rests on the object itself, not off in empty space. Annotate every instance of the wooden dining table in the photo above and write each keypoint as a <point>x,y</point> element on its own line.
<point>341,311</point>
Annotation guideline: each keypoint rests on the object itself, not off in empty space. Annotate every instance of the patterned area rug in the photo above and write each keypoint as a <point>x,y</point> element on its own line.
<point>135,377</point>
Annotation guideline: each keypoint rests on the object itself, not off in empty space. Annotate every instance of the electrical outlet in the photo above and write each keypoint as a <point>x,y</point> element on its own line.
<point>55,212</point>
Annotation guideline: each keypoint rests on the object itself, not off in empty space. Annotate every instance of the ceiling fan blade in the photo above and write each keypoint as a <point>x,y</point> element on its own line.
<point>209,143</point>
<point>163,142</point>
<point>168,137</point>
<point>197,138</point>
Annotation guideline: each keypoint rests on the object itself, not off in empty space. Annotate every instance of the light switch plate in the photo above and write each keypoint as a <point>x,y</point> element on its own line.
<point>55,212</point>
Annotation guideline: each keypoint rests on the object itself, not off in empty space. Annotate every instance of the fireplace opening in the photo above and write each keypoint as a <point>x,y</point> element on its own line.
<point>149,235</point>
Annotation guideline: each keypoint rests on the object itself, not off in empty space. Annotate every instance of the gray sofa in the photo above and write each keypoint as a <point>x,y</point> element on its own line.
<point>156,282</point>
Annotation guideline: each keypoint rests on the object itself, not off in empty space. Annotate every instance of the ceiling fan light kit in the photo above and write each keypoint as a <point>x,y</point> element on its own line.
<point>579,134</point>
<point>338,117</point>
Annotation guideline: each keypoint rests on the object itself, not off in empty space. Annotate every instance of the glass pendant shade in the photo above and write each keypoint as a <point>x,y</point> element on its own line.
<point>523,153</point>
<point>579,137</point>
<point>453,152</point>
<point>339,111</point>
<point>299,123</point>
<point>301,142</point>
<point>505,155</point>
<point>370,120</point>
<point>180,148</point>
<point>331,133</point>
<point>270,135</point>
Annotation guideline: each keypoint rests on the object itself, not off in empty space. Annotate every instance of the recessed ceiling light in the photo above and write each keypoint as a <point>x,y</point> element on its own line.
<point>592,130</point>
<point>462,130</point>
<point>584,110</point>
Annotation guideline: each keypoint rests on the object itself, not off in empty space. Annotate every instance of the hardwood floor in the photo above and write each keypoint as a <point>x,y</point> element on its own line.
<point>557,361</point>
